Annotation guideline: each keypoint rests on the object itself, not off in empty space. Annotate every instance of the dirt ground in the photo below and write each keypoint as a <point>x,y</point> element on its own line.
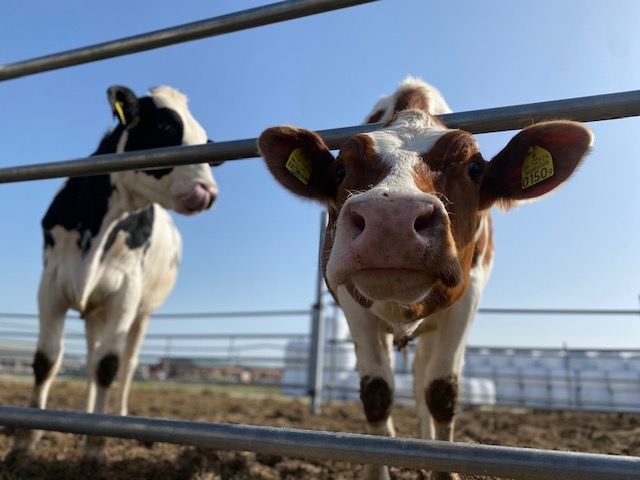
<point>58,454</point>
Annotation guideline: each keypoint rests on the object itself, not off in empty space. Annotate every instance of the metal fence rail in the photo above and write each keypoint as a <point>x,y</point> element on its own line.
<point>255,17</point>
<point>585,109</point>
<point>464,458</point>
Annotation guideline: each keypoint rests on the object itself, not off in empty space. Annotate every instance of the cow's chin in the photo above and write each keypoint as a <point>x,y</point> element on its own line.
<point>402,285</point>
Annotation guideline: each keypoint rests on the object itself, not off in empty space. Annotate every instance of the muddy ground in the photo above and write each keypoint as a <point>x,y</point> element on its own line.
<point>58,454</point>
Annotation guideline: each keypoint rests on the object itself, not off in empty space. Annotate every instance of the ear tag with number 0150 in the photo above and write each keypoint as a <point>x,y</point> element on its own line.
<point>299,165</point>
<point>536,167</point>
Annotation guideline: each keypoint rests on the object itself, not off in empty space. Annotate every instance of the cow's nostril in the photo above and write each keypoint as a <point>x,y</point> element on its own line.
<point>423,222</point>
<point>212,199</point>
<point>358,221</point>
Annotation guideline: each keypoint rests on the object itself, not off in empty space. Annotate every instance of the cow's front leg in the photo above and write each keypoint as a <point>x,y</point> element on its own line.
<point>46,363</point>
<point>130,362</point>
<point>437,370</point>
<point>102,372</point>
<point>436,388</point>
<point>106,359</point>
<point>373,355</point>
<point>377,385</point>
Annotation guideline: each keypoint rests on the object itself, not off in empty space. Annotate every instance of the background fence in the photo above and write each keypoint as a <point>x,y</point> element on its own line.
<point>550,378</point>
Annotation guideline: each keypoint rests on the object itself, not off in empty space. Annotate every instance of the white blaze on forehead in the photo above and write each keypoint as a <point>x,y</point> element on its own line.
<point>400,145</point>
<point>168,97</point>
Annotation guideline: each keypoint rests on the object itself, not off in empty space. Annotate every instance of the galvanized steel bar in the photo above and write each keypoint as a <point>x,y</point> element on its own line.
<point>585,109</point>
<point>582,109</point>
<point>473,459</point>
<point>190,315</point>
<point>140,159</point>
<point>318,324</point>
<point>297,313</point>
<point>556,311</point>
<point>255,17</point>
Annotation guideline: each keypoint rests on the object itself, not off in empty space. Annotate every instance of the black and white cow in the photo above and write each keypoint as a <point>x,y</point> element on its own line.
<point>111,251</point>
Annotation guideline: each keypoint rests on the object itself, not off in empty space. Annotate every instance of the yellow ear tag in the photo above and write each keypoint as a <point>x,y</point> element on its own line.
<point>299,165</point>
<point>120,112</point>
<point>536,167</point>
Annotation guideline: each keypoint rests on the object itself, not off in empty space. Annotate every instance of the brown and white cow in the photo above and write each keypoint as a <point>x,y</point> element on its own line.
<point>409,246</point>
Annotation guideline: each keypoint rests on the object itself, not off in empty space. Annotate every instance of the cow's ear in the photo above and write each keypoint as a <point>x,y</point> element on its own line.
<point>124,105</point>
<point>536,161</point>
<point>301,161</point>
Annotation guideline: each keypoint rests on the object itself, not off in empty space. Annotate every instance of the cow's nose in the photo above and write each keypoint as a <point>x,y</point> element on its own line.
<point>212,198</point>
<point>400,214</point>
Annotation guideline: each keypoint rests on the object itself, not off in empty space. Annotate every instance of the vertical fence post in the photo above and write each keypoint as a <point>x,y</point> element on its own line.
<point>571,394</point>
<point>166,368</point>
<point>316,353</point>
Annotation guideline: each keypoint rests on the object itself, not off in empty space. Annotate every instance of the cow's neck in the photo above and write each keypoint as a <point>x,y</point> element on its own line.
<point>121,203</point>
<point>125,200</point>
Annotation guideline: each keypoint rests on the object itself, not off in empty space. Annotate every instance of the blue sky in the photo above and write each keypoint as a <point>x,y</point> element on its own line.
<point>257,249</point>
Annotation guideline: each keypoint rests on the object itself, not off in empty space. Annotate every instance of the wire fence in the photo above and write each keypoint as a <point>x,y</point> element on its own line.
<point>546,378</point>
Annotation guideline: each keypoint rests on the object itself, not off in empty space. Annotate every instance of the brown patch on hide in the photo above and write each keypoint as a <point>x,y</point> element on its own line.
<point>484,243</point>
<point>442,398</point>
<point>107,370</point>
<point>363,301</point>
<point>375,117</point>
<point>41,367</point>
<point>377,399</point>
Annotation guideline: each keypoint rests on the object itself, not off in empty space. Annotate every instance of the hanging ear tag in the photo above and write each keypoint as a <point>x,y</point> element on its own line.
<point>120,111</point>
<point>299,165</point>
<point>536,167</point>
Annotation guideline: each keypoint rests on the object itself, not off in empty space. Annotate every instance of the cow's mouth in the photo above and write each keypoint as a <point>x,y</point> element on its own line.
<point>198,199</point>
<point>404,285</point>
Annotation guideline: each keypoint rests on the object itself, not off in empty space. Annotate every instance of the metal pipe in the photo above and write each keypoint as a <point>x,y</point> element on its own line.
<point>139,159</point>
<point>556,311</point>
<point>233,22</point>
<point>191,315</point>
<point>473,459</point>
<point>581,109</point>
<point>585,109</point>
<point>283,313</point>
<point>316,353</point>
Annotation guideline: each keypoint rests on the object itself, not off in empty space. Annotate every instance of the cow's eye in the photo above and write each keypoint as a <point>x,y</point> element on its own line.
<point>475,168</point>
<point>165,127</point>
<point>341,171</point>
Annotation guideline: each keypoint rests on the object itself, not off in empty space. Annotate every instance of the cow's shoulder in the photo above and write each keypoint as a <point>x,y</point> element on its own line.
<point>137,226</point>
<point>81,205</point>
<point>138,229</point>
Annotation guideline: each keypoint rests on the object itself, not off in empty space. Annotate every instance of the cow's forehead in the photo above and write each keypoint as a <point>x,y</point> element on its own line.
<point>410,135</point>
